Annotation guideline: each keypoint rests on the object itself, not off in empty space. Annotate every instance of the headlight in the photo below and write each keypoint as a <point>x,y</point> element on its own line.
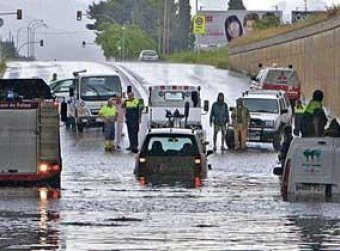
<point>269,123</point>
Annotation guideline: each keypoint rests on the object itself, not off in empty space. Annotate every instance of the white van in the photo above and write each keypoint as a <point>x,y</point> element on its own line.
<point>312,167</point>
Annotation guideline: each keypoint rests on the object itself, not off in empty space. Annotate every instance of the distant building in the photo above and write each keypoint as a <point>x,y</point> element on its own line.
<point>224,26</point>
<point>302,15</point>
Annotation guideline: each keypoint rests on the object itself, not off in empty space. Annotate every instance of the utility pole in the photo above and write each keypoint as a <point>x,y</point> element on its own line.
<point>306,5</point>
<point>166,28</point>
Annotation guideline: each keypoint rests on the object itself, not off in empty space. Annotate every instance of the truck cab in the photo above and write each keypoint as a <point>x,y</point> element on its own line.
<point>90,93</point>
<point>29,134</point>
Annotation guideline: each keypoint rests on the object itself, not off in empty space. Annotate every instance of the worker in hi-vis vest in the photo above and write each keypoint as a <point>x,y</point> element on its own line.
<point>109,114</point>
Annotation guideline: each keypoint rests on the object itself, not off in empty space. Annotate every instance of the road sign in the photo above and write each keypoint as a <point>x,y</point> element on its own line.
<point>199,25</point>
<point>1,22</point>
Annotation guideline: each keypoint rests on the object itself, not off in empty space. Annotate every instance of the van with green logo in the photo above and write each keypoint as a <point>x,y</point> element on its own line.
<point>312,167</point>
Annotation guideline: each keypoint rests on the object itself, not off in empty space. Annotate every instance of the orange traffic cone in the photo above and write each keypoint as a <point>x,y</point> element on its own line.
<point>198,182</point>
<point>142,181</point>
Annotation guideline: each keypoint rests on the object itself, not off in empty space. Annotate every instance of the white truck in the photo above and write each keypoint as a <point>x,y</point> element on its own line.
<point>312,167</point>
<point>176,106</point>
<point>89,93</point>
<point>29,134</point>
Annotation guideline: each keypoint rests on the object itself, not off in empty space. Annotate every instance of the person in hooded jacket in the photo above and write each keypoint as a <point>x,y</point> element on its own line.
<point>219,117</point>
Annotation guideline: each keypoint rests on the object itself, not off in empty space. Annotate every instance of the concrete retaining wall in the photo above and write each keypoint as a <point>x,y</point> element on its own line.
<point>314,51</point>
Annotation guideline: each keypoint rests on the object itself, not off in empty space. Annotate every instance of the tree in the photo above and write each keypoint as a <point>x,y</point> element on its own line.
<point>267,21</point>
<point>236,5</point>
<point>123,41</point>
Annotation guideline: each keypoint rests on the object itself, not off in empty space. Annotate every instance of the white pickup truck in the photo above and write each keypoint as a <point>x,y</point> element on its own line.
<point>312,167</point>
<point>175,97</point>
<point>29,134</point>
<point>177,106</point>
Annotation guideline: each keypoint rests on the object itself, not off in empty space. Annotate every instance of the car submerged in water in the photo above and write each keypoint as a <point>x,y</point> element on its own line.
<point>170,155</point>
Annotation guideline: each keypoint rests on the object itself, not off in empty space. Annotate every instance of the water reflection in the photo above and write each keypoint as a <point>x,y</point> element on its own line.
<point>29,219</point>
<point>318,232</point>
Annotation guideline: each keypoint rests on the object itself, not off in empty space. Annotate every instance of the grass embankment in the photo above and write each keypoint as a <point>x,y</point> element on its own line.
<point>260,35</point>
<point>217,57</point>
<point>2,68</point>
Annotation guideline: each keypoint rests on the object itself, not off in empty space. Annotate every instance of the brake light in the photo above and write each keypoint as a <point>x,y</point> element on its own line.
<point>43,168</point>
<point>46,167</point>
<point>174,87</point>
<point>198,160</point>
<point>286,174</point>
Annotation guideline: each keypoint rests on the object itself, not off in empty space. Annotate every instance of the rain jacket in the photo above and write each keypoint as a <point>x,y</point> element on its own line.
<point>219,114</point>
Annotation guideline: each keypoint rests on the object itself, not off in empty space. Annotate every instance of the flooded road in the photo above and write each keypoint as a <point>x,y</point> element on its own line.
<point>102,207</point>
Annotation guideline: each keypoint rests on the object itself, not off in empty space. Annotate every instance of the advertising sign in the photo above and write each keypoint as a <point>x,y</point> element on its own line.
<point>224,26</point>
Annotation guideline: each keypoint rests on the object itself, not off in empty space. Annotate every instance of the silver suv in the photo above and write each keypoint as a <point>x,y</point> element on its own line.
<point>270,112</point>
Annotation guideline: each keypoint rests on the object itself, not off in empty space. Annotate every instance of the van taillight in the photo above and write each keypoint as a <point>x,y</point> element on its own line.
<point>198,160</point>
<point>286,174</point>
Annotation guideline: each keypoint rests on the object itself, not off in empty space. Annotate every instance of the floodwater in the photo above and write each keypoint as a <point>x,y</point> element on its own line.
<point>102,207</point>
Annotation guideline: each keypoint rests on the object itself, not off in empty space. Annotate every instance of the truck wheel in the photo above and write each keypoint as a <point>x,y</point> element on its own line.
<point>230,139</point>
<point>80,127</point>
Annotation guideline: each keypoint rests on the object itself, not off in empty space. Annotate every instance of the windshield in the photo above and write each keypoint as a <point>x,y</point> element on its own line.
<point>100,87</point>
<point>261,105</point>
<point>170,145</point>
<point>282,77</point>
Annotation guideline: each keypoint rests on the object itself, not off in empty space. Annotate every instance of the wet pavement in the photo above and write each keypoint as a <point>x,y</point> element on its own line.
<point>102,207</point>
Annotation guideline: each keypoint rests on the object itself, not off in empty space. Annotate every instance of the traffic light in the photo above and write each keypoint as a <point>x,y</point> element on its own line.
<point>79,15</point>
<point>83,43</point>
<point>19,14</point>
<point>41,43</point>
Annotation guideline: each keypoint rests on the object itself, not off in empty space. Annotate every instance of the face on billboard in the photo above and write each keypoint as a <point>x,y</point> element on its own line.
<point>233,28</point>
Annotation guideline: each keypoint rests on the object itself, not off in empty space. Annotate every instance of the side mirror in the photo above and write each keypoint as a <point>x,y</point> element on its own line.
<point>206,105</point>
<point>71,92</point>
<point>278,171</point>
<point>284,111</point>
<point>209,152</point>
<point>129,88</point>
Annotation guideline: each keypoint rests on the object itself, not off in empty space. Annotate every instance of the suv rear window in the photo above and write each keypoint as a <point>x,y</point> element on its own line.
<point>170,145</point>
<point>282,77</point>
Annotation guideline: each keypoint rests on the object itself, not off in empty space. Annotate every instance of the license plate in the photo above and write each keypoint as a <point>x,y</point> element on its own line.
<point>311,188</point>
<point>254,137</point>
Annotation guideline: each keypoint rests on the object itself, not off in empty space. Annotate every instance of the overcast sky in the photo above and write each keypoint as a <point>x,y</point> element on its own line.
<point>64,35</point>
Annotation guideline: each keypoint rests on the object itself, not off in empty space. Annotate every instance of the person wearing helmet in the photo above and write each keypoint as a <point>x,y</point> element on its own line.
<point>219,116</point>
<point>314,117</point>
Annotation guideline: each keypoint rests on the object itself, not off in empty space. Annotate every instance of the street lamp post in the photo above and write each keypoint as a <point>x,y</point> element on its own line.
<point>28,34</point>
<point>18,32</point>
<point>32,35</point>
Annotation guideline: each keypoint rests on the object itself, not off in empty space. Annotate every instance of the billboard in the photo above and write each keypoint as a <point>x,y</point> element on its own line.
<point>303,15</point>
<point>224,26</point>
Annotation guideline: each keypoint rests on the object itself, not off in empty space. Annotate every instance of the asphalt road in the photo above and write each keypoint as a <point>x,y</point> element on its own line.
<point>102,207</point>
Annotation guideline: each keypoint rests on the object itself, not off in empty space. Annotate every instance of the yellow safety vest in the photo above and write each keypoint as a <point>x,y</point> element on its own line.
<point>134,103</point>
<point>300,110</point>
<point>107,111</point>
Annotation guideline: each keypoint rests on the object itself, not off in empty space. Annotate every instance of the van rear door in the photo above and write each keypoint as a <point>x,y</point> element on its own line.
<point>312,165</point>
<point>18,141</point>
